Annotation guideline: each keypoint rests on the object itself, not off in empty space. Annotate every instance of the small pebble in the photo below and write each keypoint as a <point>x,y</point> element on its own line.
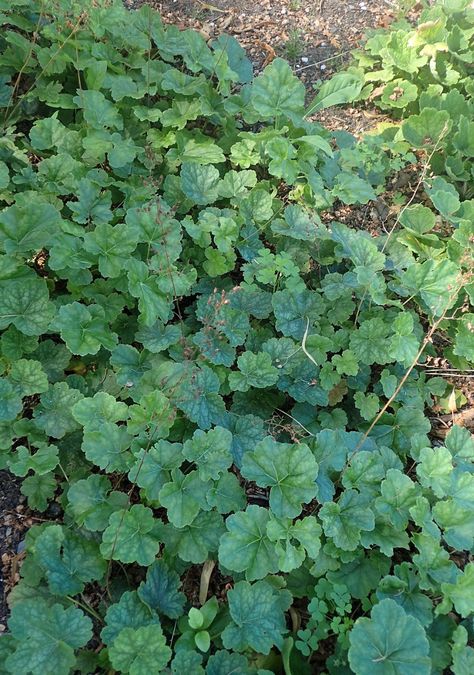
<point>323,66</point>
<point>304,59</point>
<point>21,546</point>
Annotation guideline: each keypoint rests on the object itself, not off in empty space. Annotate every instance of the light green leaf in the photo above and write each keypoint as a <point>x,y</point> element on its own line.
<point>140,651</point>
<point>200,183</point>
<point>84,329</point>
<point>184,497</point>
<point>258,620</point>
<point>210,452</point>
<point>46,637</point>
<point>130,537</point>
<point>289,470</point>
<point>255,370</point>
<point>277,91</point>
<point>246,547</point>
<point>390,642</point>
<point>344,520</point>
<point>101,407</point>
<point>341,88</point>
<point>53,414</point>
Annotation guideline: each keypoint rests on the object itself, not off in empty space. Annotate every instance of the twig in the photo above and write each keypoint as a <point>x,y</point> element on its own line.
<point>206,573</point>
<point>303,345</point>
<point>424,344</point>
<point>329,58</point>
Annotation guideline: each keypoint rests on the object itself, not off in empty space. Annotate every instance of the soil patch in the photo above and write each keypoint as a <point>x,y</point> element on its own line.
<point>13,523</point>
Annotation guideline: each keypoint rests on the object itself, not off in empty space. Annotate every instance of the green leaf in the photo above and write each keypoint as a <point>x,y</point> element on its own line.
<point>306,532</point>
<point>398,496</point>
<point>194,542</point>
<point>128,612</point>
<point>39,490</point>
<point>351,189</point>
<point>184,497</point>
<point>464,343</point>
<point>26,305</point>
<point>246,547</point>
<point>344,520</point>
<point>257,613</point>
<point>46,636</point>
<point>289,470</point>
<point>100,408</point>
<point>112,245</point>
<point>91,502</point>
<point>226,495</point>
<point>41,462</point>
<point>435,281</point>
<point>210,452</point>
<point>10,401</point>
<point>106,445</point>
<point>28,377</point>
<point>200,183</point>
<point>23,230</point>
<point>444,196</point>
<point>130,536</point>
<point>435,469</point>
<point>369,342</point>
<point>68,561</point>
<point>460,594</point>
<point>255,370</point>
<point>160,590</point>
<point>84,329</point>
<point>389,642</point>
<point>426,129</point>
<point>142,284</point>
<point>224,663</point>
<point>341,88</point>
<point>53,414</point>
<point>140,651</point>
<point>98,112</point>
<point>277,91</point>
<point>152,468</point>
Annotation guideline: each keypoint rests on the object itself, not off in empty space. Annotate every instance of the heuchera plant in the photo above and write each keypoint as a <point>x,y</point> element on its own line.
<point>216,386</point>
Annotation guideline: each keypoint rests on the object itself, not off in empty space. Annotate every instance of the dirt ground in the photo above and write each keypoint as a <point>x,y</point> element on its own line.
<point>12,526</point>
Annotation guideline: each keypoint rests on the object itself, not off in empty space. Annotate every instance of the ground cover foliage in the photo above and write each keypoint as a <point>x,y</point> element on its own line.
<point>216,389</point>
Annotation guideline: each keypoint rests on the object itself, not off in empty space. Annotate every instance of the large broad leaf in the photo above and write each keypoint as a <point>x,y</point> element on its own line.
<point>435,282</point>
<point>140,651</point>
<point>84,329</point>
<point>460,594</point>
<point>389,643</point>
<point>277,91</point>
<point>25,304</point>
<point>130,536</point>
<point>200,183</point>
<point>128,612</point>
<point>112,245</point>
<point>210,451</point>
<point>341,88</point>
<point>160,590</point>
<point>344,520</point>
<point>46,637</point>
<point>246,546</point>
<point>69,561</point>
<point>91,502</point>
<point>194,542</point>
<point>289,470</point>
<point>258,620</point>
<point>54,413</point>
<point>184,496</point>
